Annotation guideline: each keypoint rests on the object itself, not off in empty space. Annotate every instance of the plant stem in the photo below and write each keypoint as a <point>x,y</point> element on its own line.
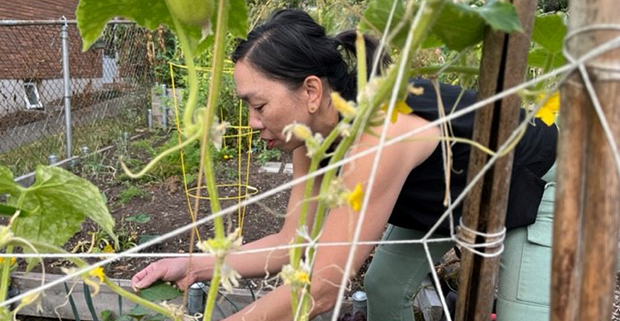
<point>192,97</point>
<point>215,283</point>
<point>295,258</point>
<point>214,91</point>
<point>5,280</point>
<point>366,108</point>
<point>360,48</point>
<point>429,70</point>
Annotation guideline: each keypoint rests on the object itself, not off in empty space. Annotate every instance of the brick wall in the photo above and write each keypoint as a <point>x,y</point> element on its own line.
<point>37,9</point>
<point>35,51</point>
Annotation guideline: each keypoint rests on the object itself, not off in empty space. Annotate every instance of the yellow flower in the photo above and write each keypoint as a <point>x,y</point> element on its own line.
<point>12,260</point>
<point>97,273</point>
<point>296,278</point>
<point>355,198</point>
<point>548,112</point>
<point>30,298</point>
<point>302,132</point>
<point>400,107</point>
<point>344,107</point>
<point>302,277</point>
<point>108,249</point>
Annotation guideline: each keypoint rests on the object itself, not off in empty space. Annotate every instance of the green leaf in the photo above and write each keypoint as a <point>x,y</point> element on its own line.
<point>138,311</point>
<point>7,183</point>
<point>146,237</point>
<point>376,17</point>
<point>139,218</point>
<point>58,202</point>
<point>93,15</point>
<point>107,315</point>
<point>501,16</point>
<point>159,291</point>
<point>432,41</point>
<point>238,19</point>
<point>538,58</point>
<point>125,317</point>
<point>549,32</point>
<point>157,317</point>
<point>459,26</point>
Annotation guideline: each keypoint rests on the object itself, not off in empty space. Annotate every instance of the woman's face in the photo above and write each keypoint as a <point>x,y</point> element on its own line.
<point>272,105</point>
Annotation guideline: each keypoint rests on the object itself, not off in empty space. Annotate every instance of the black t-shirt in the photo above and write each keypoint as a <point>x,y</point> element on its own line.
<point>420,202</point>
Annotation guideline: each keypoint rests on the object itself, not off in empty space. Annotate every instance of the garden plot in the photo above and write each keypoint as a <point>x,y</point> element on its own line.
<point>146,208</point>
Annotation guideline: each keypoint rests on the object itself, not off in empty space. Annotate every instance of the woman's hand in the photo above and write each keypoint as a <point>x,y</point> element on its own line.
<point>174,270</point>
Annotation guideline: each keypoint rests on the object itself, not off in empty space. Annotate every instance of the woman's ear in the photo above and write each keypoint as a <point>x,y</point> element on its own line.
<point>313,88</point>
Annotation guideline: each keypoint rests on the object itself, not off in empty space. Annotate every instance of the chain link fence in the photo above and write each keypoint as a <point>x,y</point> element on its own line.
<point>55,99</point>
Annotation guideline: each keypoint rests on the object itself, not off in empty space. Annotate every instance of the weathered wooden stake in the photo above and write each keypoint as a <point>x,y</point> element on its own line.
<point>572,145</point>
<point>588,194</point>
<point>504,60</point>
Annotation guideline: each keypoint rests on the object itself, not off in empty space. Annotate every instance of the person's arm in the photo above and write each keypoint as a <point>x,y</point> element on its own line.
<point>247,265</point>
<point>396,163</point>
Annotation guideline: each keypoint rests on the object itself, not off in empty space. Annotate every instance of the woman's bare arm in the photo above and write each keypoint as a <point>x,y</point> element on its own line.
<point>396,163</point>
<point>248,265</point>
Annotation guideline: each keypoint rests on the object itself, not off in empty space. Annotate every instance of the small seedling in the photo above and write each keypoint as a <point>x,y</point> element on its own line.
<point>139,218</point>
<point>130,193</point>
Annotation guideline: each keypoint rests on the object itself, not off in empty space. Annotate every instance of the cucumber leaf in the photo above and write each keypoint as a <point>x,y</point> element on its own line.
<point>376,17</point>
<point>500,16</point>
<point>159,291</point>
<point>238,18</point>
<point>538,58</point>
<point>58,202</point>
<point>93,15</point>
<point>549,32</point>
<point>458,25</point>
<point>7,184</point>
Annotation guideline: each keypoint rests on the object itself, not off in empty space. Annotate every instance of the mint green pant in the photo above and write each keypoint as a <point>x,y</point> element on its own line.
<point>396,271</point>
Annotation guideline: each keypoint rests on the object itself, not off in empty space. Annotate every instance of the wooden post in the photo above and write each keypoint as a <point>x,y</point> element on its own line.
<point>569,202</point>
<point>504,61</point>
<point>588,195</point>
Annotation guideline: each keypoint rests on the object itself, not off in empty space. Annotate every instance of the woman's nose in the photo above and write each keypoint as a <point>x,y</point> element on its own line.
<point>255,121</point>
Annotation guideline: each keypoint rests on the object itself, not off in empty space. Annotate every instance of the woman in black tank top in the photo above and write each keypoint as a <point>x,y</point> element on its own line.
<point>286,71</point>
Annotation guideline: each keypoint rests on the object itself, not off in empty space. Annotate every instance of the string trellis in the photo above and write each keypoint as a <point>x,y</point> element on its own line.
<point>575,64</point>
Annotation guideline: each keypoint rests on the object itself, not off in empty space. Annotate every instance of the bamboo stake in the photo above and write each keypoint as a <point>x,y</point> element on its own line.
<point>504,60</point>
<point>588,197</point>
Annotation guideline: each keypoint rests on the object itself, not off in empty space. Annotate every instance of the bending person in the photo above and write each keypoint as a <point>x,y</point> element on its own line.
<point>285,71</point>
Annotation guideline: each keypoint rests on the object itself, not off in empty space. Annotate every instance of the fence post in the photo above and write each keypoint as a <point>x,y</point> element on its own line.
<point>504,61</point>
<point>585,235</point>
<point>164,107</point>
<point>67,85</point>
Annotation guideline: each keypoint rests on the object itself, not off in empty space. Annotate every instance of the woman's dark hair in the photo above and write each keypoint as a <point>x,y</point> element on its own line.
<point>290,46</point>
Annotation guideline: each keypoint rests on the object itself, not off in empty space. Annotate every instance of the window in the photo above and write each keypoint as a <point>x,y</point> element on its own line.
<point>31,96</point>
